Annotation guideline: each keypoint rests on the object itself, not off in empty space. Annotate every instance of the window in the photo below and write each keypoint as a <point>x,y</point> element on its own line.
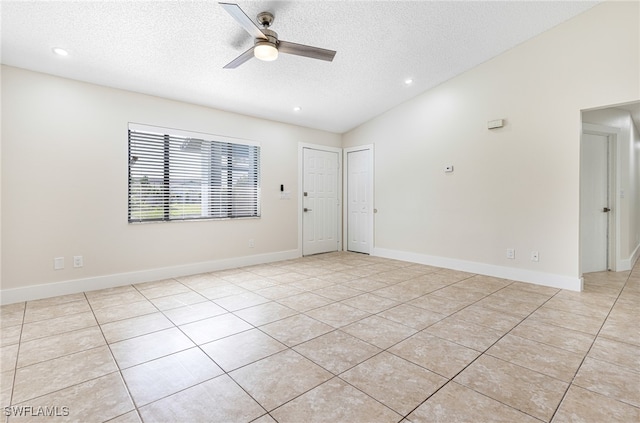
<point>177,175</point>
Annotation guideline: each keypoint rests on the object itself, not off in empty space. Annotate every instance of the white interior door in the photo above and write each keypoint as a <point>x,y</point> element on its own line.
<point>594,202</point>
<point>359,201</point>
<point>320,201</point>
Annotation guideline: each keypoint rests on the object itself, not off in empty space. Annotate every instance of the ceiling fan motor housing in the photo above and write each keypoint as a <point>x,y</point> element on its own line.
<point>272,37</point>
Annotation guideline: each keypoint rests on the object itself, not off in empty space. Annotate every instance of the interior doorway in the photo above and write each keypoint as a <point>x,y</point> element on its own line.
<point>597,199</point>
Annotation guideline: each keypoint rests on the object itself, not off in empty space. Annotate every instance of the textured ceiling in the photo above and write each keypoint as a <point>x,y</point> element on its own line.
<point>176,50</point>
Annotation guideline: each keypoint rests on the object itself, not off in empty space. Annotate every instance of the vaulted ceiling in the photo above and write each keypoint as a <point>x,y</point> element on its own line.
<point>177,50</point>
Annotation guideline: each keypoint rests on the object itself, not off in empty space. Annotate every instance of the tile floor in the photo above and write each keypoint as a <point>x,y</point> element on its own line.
<point>337,337</point>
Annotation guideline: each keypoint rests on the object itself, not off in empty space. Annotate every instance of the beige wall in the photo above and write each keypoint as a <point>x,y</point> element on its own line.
<point>64,185</point>
<point>64,167</point>
<point>514,187</point>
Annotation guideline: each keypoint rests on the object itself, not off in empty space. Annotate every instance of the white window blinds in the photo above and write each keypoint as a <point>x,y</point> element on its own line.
<point>176,176</point>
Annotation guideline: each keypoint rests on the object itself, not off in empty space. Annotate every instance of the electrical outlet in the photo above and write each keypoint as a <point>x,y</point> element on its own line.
<point>511,253</point>
<point>252,243</point>
<point>535,256</point>
<point>78,261</point>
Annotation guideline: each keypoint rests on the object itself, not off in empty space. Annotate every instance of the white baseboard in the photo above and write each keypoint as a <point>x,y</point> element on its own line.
<point>521,275</point>
<point>36,292</point>
<point>628,264</point>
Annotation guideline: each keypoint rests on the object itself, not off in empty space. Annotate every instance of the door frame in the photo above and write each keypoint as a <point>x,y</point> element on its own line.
<point>612,134</point>
<point>345,190</point>
<point>301,147</point>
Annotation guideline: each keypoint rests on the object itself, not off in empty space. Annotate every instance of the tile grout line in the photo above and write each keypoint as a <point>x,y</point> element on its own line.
<point>196,345</point>
<point>77,352</point>
<point>386,350</point>
<point>451,380</point>
<point>571,383</point>
<point>334,330</point>
<point>137,407</point>
<point>402,417</point>
<point>15,365</point>
<point>291,348</point>
<point>119,369</point>
<point>199,346</point>
<point>158,310</point>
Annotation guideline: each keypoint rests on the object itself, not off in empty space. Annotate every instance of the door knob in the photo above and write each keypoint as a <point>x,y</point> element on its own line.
<point>306,209</point>
<point>606,209</point>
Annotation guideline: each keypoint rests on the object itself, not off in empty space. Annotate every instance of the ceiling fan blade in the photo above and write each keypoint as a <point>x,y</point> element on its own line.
<point>244,21</point>
<point>240,59</point>
<point>306,51</point>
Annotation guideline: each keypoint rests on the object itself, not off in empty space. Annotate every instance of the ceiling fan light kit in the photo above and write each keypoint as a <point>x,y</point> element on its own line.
<point>266,50</point>
<point>266,45</point>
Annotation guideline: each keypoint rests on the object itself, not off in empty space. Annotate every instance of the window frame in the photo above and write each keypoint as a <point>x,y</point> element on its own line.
<point>225,145</point>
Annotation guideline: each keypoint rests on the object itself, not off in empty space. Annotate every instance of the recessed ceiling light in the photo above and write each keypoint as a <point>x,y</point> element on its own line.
<point>408,81</point>
<point>60,51</point>
<point>297,109</point>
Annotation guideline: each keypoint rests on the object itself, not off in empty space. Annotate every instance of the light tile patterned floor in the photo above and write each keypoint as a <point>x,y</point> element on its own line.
<point>336,337</point>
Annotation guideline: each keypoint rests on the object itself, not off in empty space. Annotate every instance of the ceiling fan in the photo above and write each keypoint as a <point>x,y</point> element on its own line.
<point>267,45</point>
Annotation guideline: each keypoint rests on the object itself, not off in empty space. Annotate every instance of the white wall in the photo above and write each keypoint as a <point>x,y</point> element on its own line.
<point>64,189</point>
<point>514,187</point>
<point>629,172</point>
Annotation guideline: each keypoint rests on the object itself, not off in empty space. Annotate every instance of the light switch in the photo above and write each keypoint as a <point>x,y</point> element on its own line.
<point>58,263</point>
